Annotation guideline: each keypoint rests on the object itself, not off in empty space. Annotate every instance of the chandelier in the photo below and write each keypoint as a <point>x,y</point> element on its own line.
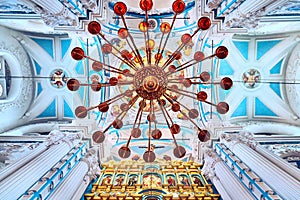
<point>150,82</point>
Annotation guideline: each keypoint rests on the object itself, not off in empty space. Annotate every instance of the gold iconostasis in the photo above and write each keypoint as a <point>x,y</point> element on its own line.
<point>138,180</point>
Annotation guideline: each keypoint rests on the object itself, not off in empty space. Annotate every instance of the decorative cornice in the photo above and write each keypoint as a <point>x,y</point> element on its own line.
<point>92,161</point>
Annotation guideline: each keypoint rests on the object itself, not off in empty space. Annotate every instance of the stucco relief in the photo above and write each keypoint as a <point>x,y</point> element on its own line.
<point>21,92</point>
<point>292,75</point>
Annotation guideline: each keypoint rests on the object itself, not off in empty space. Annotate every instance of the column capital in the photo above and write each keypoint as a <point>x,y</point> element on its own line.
<point>244,137</point>
<point>91,160</point>
<point>57,137</point>
<point>210,160</point>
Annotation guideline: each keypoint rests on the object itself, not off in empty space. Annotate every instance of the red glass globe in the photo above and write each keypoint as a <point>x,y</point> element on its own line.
<point>103,107</point>
<point>204,23</point>
<point>73,84</point>
<point>77,53</point>
<point>136,132</point>
<point>199,56</point>
<point>203,135</point>
<point>106,48</point>
<point>146,5</point>
<point>97,66</point>
<point>124,152</point>
<point>193,113</point>
<point>124,107</point>
<point>226,83</point>
<point>156,134</point>
<point>178,6</point>
<point>117,124</point>
<point>143,26</point>
<point>149,156</point>
<point>81,112</point>
<point>221,52</point>
<point>186,38</point>
<point>175,129</point>
<point>179,152</point>
<point>222,107</point>
<point>187,82</point>
<point>175,107</point>
<point>120,8</point>
<point>165,27</point>
<point>123,33</point>
<point>113,81</point>
<point>94,27</point>
<point>204,76</point>
<point>202,96</point>
<point>98,136</point>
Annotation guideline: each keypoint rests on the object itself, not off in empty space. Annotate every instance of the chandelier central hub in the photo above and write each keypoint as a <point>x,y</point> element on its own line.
<point>150,82</point>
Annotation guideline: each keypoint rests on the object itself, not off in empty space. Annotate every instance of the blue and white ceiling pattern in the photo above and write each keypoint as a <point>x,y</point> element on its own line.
<point>257,66</point>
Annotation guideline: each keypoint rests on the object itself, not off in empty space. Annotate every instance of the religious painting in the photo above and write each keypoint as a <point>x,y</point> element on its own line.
<point>184,180</point>
<point>132,180</point>
<point>171,180</point>
<point>197,180</point>
<point>152,180</point>
<point>119,180</point>
<point>106,180</point>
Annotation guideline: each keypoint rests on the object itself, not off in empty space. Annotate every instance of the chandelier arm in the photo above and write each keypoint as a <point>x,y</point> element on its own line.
<point>183,112</point>
<point>158,58</point>
<point>132,40</point>
<point>181,93</point>
<point>125,61</point>
<point>102,36</point>
<point>210,103</point>
<point>125,83</point>
<point>180,47</point>
<point>163,111</point>
<point>131,104</point>
<point>172,57</point>
<point>147,46</point>
<point>182,68</point>
<point>92,59</point>
<point>134,52</point>
<point>109,101</point>
<point>173,21</point>
<point>149,135</point>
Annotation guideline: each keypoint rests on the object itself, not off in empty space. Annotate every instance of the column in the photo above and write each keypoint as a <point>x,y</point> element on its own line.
<point>283,183</point>
<point>77,181</point>
<point>223,178</point>
<point>283,164</point>
<point>58,144</point>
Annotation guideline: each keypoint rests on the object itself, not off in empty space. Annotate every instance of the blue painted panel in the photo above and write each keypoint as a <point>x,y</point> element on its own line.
<point>67,110</point>
<point>225,69</point>
<point>50,111</point>
<point>39,89</point>
<point>37,67</point>
<point>65,44</point>
<point>277,68</point>
<point>241,110</point>
<point>264,46</point>
<point>79,68</point>
<point>46,44</point>
<point>81,92</point>
<point>243,47</point>
<point>262,110</point>
<point>276,88</point>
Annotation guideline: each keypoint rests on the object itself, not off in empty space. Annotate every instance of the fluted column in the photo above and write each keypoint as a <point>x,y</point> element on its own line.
<point>77,181</point>
<point>283,183</point>
<point>13,186</point>
<point>283,164</point>
<point>223,178</point>
<point>8,170</point>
